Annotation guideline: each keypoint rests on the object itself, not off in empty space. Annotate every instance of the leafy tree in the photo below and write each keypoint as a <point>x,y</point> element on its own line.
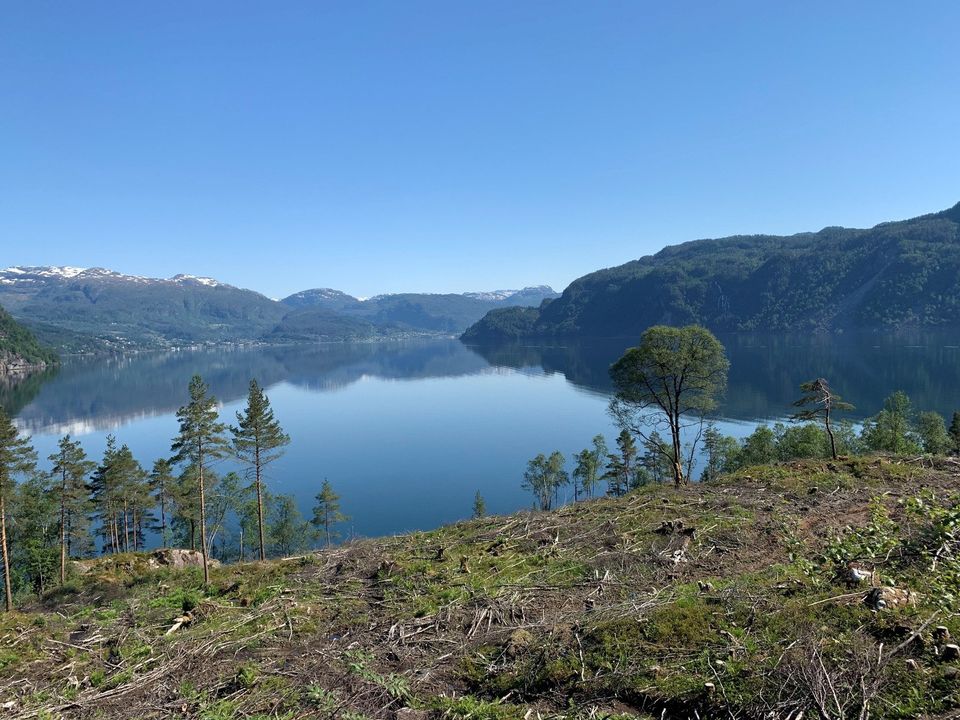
<point>258,440</point>
<point>326,513</point>
<point>479,506</point>
<point>289,532</point>
<point>622,469</point>
<point>955,431</point>
<point>819,401</point>
<point>933,434</point>
<point>34,534</point>
<point>226,498</point>
<point>723,453</point>
<point>162,485</point>
<point>759,447</point>
<point>803,441</point>
<point>70,469</point>
<point>670,381</point>
<point>544,476</point>
<point>200,442</point>
<point>17,457</point>
<point>891,429</point>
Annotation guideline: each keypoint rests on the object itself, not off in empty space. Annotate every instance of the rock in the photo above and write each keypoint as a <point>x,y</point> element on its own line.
<point>177,558</point>
<point>890,597</point>
<point>857,575</point>
<point>950,652</point>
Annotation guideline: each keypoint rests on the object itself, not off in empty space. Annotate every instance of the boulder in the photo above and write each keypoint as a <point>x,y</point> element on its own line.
<point>176,558</point>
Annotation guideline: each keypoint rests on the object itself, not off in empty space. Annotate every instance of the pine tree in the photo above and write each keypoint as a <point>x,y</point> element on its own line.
<point>200,441</point>
<point>622,468</point>
<point>162,485</point>
<point>954,431</point>
<point>105,495</point>
<point>70,470</point>
<point>17,457</point>
<point>326,513</point>
<point>819,401</point>
<point>34,534</point>
<point>258,440</point>
<point>479,505</point>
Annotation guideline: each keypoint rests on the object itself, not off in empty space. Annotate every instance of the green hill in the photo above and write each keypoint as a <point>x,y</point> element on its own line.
<point>897,274</point>
<point>729,599</point>
<point>19,348</point>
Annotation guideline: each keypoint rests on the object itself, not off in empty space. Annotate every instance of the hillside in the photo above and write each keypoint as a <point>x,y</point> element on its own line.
<point>895,275</point>
<point>730,599</point>
<point>442,313</point>
<point>86,310</point>
<point>19,348</point>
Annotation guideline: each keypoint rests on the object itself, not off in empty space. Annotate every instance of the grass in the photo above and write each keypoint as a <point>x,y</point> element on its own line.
<point>716,599</point>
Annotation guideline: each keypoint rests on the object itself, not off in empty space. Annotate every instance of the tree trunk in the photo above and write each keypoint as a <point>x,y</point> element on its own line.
<point>263,555</point>
<point>203,518</point>
<point>678,478</point>
<point>833,442</point>
<point>63,531</point>
<point>6,557</point>
<point>163,516</point>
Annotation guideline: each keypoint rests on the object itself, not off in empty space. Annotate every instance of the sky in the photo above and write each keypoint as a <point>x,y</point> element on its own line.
<point>450,146</point>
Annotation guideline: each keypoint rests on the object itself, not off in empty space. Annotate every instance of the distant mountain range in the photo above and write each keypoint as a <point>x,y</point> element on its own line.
<point>79,309</point>
<point>895,275</point>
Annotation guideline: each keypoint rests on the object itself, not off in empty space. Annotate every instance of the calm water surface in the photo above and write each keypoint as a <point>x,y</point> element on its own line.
<point>408,432</point>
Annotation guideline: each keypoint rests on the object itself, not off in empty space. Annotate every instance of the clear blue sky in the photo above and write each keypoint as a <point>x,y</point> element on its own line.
<point>446,146</point>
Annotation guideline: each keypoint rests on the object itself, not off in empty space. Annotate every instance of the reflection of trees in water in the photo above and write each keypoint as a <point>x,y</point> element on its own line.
<point>17,390</point>
<point>105,392</point>
<point>766,370</point>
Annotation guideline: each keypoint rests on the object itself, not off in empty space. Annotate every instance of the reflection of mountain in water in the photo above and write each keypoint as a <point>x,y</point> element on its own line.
<point>104,393</point>
<point>766,370</point>
<point>765,373</point>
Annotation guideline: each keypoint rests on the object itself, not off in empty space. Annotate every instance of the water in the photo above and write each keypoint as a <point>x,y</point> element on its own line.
<point>408,432</point>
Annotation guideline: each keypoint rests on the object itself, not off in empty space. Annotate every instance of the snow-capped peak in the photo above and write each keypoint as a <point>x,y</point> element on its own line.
<point>182,278</point>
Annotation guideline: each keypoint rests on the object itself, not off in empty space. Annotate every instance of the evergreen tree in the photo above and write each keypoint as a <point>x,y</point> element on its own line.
<point>17,457</point>
<point>955,431</point>
<point>200,441</point>
<point>162,486</point>
<point>819,401</point>
<point>326,513</point>
<point>70,470</point>
<point>289,532</point>
<point>479,506</point>
<point>622,468</point>
<point>654,464</point>
<point>258,440</point>
<point>105,495</point>
<point>723,453</point>
<point>121,498</point>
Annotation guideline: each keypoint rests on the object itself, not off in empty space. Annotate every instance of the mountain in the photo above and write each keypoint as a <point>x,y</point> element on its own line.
<point>894,275</point>
<point>81,310</point>
<point>419,312</point>
<point>127,310</point>
<point>19,348</point>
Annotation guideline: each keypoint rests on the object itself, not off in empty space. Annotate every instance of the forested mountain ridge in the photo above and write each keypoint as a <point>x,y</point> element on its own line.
<point>896,274</point>
<point>19,348</point>
<point>79,309</point>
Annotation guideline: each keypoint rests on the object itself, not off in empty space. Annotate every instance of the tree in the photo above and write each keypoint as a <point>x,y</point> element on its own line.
<point>933,434</point>
<point>891,429</point>
<point>326,513</point>
<point>34,534</point>
<point>70,469</point>
<point>759,447</point>
<point>258,440</point>
<point>819,401</point>
<point>479,506</point>
<point>670,381</point>
<point>162,485</point>
<point>200,441</point>
<point>17,457</point>
<point>955,431</point>
<point>653,465</point>
<point>289,533</point>
<point>723,453</point>
<point>622,468</point>
<point>544,477</point>
<point>121,498</point>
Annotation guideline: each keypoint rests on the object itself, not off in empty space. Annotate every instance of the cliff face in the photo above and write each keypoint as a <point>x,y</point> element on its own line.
<point>20,351</point>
